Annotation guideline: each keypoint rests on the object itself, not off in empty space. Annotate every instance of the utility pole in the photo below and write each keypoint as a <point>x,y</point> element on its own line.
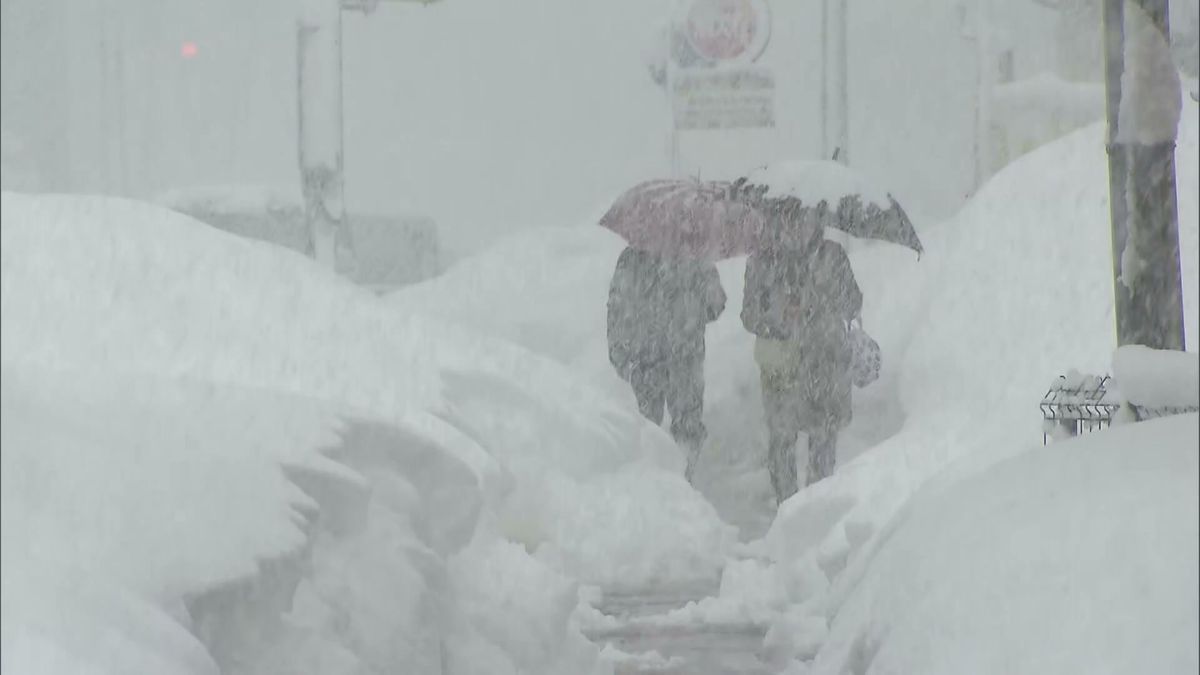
<point>319,72</point>
<point>670,74</point>
<point>985,81</point>
<point>321,125</point>
<point>1142,125</point>
<point>835,75</point>
<point>1114,66</point>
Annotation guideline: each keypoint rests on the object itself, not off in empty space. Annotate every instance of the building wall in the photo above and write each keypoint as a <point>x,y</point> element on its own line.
<point>489,116</point>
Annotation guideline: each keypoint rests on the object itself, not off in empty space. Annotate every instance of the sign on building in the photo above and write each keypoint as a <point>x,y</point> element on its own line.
<point>723,99</point>
<point>726,31</point>
<point>714,83</point>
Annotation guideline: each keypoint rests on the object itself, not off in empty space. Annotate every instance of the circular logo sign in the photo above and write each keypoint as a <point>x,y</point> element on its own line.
<point>728,30</point>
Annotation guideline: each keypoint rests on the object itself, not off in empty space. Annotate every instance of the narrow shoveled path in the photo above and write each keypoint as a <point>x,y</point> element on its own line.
<point>672,648</point>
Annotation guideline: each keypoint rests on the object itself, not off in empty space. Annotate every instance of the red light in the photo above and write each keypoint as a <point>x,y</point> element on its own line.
<point>188,50</point>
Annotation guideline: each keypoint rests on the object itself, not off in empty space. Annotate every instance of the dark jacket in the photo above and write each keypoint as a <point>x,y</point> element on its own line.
<point>808,297</point>
<point>659,307</point>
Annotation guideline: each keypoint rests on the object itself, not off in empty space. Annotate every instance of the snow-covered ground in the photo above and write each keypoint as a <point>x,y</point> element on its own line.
<point>124,496</point>
<point>1012,292</point>
<point>218,456</point>
<point>186,368</point>
<point>1080,559</point>
<point>1020,292</point>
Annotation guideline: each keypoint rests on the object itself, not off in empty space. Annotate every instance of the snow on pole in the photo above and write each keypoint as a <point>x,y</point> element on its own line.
<point>1150,88</point>
<point>1118,162</point>
<point>1156,378</point>
<point>319,55</point>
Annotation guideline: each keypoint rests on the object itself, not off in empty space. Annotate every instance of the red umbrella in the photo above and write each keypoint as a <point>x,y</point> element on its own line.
<point>685,218</point>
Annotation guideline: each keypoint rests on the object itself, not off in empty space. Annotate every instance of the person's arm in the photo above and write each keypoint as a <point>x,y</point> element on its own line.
<point>619,292</point>
<point>758,315</point>
<point>752,305</point>
<point>714,294</point>
<point>847,295</point>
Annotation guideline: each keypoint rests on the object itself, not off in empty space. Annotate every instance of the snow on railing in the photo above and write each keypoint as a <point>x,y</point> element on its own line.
<point>1077,403</point>
<point>1146,384</point>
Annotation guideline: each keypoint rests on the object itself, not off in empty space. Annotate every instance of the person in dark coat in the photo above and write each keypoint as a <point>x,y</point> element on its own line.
<point>800,298</point>
<point>658,310</point>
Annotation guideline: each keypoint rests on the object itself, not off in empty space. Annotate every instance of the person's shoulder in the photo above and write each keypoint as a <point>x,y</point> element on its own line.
<point>634,258</point>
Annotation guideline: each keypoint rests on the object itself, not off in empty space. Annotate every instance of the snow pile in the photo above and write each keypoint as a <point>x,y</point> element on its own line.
<point>1029,113</point>
<point>546,289</point>
<point>229,199</point>
<point>813,182</point>
<point>1150,87</point>
<point>1083,559</point>
<point>269,214</point>
<point>970,336</point>
<point>644,662</point>
<point>1029,255</point>
<point>1156,378</point>
<point>155,531</point>
<point>185,438</point>
<point>463,441</point>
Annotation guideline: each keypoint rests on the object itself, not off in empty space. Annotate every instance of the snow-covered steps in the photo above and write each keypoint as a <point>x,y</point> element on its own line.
<point>695,650</point>
<point>642,639</point>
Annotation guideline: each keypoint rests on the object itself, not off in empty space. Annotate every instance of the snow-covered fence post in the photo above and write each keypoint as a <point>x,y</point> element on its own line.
<point>1143,111</point>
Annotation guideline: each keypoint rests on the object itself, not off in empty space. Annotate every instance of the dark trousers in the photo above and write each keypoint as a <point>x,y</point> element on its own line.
<point>811,401</point>
<point>676,384</point>
<point>781,459</point>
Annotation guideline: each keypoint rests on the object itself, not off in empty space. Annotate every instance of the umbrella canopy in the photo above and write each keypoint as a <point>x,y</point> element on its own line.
<point>685,218</point>
<point>828,194</point>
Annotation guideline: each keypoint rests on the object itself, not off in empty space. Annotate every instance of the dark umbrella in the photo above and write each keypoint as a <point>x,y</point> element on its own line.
<point>828,194</point>
<point>685,218</point>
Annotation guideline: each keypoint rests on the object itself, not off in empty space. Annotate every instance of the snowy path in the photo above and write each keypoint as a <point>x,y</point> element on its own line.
<point>695,649</point>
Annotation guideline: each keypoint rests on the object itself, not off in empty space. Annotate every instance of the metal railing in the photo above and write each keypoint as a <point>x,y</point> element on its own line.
<point>1077,404</point>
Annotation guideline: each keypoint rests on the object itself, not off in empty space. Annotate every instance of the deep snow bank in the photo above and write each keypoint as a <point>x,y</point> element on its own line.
<point>1027,259</point>
<point>229,519</point>
<point>547,289</point>
<point>123,497</point>
<point>132,291</point>
<point>543,289</point>
<point>1019,292</point>
<point>1079,560</point>
<point>135,287</point>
